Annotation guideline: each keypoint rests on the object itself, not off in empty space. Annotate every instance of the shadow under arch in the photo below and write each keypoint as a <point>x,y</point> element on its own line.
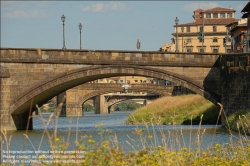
<point>47,89</point>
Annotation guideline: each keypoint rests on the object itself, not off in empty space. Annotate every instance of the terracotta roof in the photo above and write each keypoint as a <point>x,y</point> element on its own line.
<point>217,21</point>
<point>234,22</point>
<point>219,9</point>
<point>246,8</point>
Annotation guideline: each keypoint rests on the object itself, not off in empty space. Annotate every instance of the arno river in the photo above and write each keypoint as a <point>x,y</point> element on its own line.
<point>70,128</point>
<point>175,136</point>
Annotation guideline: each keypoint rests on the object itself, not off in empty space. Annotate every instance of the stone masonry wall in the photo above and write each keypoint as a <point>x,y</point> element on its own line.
<point>235,80</point>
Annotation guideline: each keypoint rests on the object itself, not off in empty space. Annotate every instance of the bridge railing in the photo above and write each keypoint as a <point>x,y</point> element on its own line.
<point>114,57</point>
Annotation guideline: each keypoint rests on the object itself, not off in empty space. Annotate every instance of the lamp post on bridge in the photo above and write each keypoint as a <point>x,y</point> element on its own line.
<point>182,29</point>
<point>63,20</point>
<point>80,28</point>
<point>176,43</point>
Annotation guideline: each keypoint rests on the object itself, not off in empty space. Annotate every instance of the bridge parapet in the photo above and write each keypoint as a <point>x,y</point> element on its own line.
<point>97,57</point>
<point>116,85</point>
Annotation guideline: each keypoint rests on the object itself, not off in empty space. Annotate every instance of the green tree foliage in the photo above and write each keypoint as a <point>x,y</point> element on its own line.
<point>126,106</point>
<point>87,107</point>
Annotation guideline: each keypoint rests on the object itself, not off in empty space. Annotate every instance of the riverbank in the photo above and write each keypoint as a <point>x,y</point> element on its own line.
<point>185,109</point>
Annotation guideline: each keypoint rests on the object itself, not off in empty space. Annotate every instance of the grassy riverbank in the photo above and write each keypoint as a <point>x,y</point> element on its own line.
<point>170,149</point>
<point>177,110</point>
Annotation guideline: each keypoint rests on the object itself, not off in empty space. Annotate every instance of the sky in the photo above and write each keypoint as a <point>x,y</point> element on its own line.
<point>106,25</point>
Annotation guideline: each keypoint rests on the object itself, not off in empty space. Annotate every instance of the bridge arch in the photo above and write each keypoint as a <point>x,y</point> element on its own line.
<point>113,90</point>
<point>46,90</point>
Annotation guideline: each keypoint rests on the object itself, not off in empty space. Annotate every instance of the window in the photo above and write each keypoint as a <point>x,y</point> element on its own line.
<point>215,15</point>
<point>201,29</point>
<point>201,50</point>
<point>222,15</point>
<point>188,29</point>
<point>215,40</point>
<point>189,40</point>
<point>208,15</point>
<point>215,50</point>
<point>229,15</point>
<point>189,49</point>
<point>228,50</point>
<point>200,40</point>
<point>214,29</point>
<point>100,80</point>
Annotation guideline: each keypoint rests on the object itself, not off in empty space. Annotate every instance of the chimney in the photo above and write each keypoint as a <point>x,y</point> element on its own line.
<point>230,7</point>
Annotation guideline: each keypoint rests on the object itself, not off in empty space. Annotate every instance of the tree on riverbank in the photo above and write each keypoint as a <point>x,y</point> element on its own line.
<point>127,106</point>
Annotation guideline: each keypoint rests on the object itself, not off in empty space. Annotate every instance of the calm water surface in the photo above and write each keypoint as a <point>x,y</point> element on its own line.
<point>74,127</point>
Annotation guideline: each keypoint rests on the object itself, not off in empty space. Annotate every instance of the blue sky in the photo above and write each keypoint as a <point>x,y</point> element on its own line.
<point>107,25</point>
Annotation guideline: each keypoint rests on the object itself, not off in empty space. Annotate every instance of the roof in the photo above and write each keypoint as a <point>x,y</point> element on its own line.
<point>234,22</point>
<point>237,26</point>
<point>218,9</point>
<point>246,8</point>
<point>245,15</point>
<point>217,21</point>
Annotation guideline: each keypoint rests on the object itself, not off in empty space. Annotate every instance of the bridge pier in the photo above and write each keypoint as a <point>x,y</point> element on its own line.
<point>67,104</point>
<point>235,77</point>
<point>145,102</point>
<point>101,105</point>
<point>22,121</point>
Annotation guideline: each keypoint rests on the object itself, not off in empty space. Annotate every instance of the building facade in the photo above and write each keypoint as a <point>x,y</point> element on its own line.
<point>210,25</point>
<point>238,33</point>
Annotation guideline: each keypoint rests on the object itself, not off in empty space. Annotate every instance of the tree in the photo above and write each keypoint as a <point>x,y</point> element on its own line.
<point>126,106</point>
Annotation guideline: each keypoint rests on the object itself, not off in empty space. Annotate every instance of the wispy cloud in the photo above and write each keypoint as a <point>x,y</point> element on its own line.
<point>23,9</point>
<point>198,5</point>
<point>101,7</point>
<point>25,14</point>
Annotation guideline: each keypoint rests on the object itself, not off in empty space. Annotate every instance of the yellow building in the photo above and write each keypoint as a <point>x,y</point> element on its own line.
<point>214,21</point>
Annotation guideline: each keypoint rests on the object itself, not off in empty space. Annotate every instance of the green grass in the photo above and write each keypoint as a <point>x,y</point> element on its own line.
<point>185,109</point>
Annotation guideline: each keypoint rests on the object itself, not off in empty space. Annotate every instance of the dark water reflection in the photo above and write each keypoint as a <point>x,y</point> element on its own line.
<point>73,127</point>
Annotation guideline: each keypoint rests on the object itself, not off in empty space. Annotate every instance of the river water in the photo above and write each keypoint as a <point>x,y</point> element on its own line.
<point>72,128</point>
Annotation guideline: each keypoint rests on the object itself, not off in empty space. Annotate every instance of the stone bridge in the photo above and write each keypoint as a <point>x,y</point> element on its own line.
<point>75,97</point>
<point>33,76</point>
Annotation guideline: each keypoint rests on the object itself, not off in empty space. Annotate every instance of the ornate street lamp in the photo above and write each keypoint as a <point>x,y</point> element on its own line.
<point>63,20</point>
<point>182,29</point>
<point>80,28</point>
<point>176,43</point>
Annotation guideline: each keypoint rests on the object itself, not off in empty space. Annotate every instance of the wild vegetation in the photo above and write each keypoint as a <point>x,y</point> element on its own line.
<point>185,109</point>
<point>126,106</point>
<point>87,107</point>
<point>148,149</point>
